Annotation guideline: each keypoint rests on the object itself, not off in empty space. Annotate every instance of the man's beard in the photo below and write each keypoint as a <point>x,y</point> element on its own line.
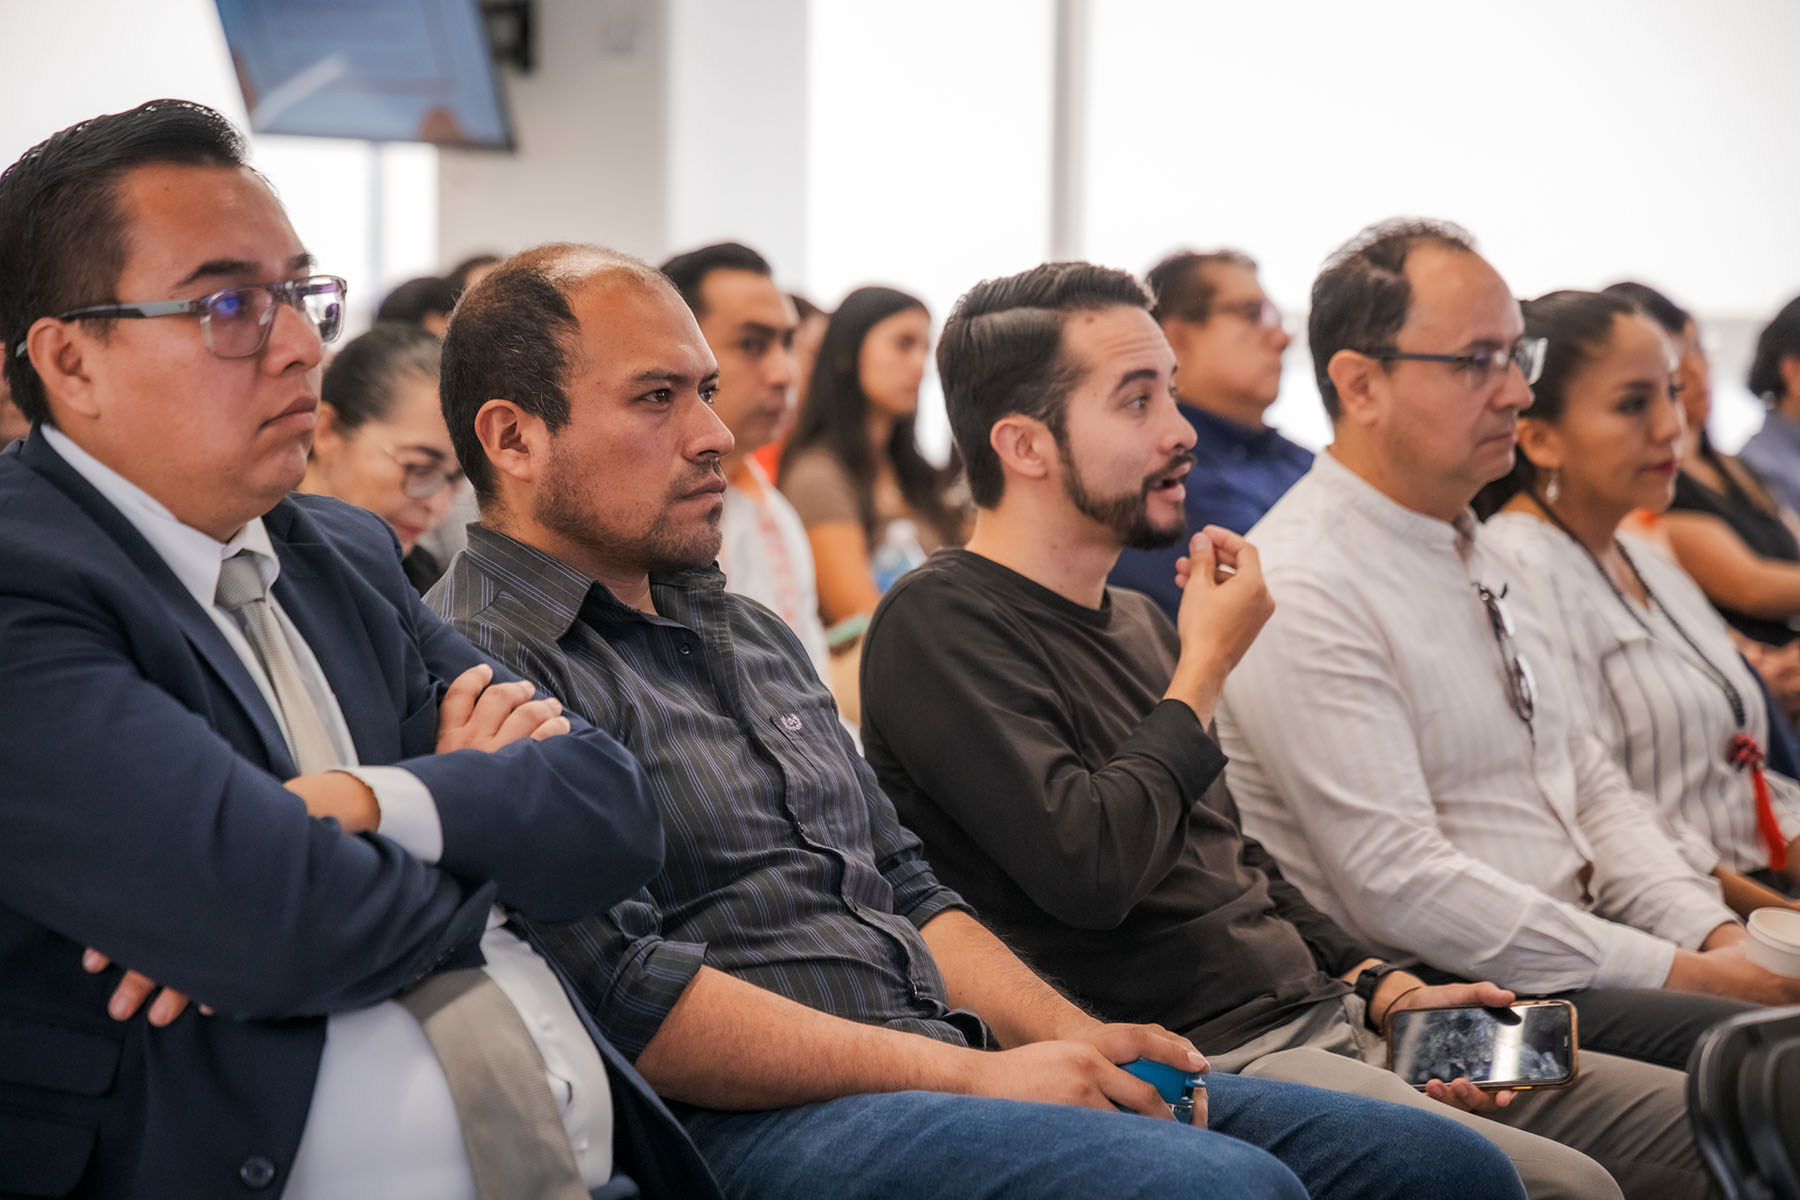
<point>1127,516</point>
<point>568,505</point>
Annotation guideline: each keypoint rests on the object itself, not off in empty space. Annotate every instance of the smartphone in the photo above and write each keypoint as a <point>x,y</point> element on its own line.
<point>1528,1045</point>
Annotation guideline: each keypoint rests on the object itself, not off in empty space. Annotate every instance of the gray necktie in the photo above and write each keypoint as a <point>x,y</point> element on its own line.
<point>241,591</point>
<point>511,1129</point>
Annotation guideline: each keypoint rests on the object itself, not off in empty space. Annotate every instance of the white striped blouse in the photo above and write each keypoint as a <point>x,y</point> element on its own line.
<point>1649,697</point>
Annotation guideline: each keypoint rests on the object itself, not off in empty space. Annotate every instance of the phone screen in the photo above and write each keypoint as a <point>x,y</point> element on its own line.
<point>1529,1044</point>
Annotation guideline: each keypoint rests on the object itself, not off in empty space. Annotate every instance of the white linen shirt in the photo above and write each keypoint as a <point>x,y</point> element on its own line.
<point>1660,713</point>
<point>382,1122</point>
<point>1375,753</point>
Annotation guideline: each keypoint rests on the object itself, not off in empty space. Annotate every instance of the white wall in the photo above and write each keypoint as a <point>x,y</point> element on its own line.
<point>737,129</point>
<point>929,151</point>
<point>591,129</point>
<point>1582,141</point>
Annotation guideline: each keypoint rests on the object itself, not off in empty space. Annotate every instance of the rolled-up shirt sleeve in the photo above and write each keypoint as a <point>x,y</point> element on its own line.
<point>627,974</point>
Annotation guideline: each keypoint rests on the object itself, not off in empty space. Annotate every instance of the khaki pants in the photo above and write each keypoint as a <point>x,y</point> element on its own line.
<point>1620,1116</point>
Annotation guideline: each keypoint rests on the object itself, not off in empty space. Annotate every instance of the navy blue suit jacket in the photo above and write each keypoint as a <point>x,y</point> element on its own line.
<point>142,813</point>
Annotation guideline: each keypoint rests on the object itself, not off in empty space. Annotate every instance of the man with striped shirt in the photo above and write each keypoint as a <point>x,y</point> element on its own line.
<point>826,1014</point>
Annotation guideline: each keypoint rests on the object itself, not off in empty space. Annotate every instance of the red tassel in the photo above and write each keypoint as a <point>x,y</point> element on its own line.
<point>1765,822</point>
<point>1744,753</point>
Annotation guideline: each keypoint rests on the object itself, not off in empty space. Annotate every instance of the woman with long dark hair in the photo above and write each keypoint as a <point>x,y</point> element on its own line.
<point>1664,686</point>
<point>872,504</point>
<point>1724,526</point>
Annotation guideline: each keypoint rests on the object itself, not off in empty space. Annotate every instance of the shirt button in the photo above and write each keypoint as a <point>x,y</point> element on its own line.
<point>257,1172</point>
<point>687,648</point>
<point>581,1145</point>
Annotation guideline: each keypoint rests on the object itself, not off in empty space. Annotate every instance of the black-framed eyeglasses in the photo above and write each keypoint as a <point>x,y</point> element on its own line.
<point>1479,367</point>
<point>236,321</point>
<point>1520,689</point>
<point>422,481</point>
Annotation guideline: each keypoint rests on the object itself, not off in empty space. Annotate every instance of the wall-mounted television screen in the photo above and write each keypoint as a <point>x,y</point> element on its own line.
<point>382,70</point>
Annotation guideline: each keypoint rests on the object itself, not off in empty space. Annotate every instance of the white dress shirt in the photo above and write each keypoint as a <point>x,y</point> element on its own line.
<point>1376,754</point>
<point>1645,692</point>
<point>382,1123</point>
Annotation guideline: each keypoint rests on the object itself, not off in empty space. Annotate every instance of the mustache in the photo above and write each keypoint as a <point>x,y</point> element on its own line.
<point>705,472</point>
<point>1183,462</point>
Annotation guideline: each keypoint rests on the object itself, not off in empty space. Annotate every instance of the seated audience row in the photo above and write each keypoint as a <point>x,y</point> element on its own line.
<point>219,692</point>
<point>1046,738</point>
<point>825,1011</point>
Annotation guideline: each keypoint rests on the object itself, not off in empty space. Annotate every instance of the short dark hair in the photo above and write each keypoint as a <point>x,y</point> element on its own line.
<point>804,308</point>
<point>1182,283</point>
<point>1673,318</point>
<point>416,299</point>
<point>514,337</point>
<point>1575,326</point>
<point>1779,339</point>
<point>1361,297</point>
<point>688,271</point>
<point>458,276</point>
<point>63,241</point>
<point>361,379</point>
<point>1002,353</point>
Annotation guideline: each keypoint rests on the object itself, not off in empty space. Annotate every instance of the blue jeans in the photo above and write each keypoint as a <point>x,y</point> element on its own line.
<point>1266,1141</point>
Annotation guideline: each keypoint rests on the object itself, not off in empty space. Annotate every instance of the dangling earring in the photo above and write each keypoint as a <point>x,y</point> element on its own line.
<point>1553,486</point>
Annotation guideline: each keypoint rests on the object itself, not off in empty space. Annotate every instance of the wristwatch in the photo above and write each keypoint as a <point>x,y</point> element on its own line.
<point>1366,982</point>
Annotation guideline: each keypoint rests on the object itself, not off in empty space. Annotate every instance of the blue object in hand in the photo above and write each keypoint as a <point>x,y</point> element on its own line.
<point>1173,1084</point>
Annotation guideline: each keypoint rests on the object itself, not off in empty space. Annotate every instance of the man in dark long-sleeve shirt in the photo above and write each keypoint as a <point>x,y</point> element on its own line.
<point>831,1019</point>
<point>1045,736</point>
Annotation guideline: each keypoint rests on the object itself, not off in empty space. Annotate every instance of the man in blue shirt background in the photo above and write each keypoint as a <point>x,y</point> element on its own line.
<point>1228,342</point>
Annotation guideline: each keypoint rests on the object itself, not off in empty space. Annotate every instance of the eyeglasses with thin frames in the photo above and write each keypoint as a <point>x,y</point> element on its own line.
<point>1521,691</point>
<point>235,322</point>
<point>1259,314</point>
<point>422,481</point>
<point>1480,367</point>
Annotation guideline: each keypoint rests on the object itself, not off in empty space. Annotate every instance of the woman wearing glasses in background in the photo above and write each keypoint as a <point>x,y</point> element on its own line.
<point>1664,685</point>
<point>381,443</point>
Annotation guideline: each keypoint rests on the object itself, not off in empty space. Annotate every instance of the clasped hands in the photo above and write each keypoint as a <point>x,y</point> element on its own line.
<point>475,714</point>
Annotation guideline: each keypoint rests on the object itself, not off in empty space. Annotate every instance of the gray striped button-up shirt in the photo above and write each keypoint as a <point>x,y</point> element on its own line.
<point>785,864</point>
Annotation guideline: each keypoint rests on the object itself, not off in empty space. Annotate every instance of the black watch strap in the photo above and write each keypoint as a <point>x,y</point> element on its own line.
<point>1366,982</point>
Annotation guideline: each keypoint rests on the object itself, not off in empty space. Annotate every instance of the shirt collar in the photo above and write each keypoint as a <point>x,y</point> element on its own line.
<point>560,595</point>
<point>193,556</point>
<point>1223,432</point>
<point>1783,428</point>
<point>1366,499</point>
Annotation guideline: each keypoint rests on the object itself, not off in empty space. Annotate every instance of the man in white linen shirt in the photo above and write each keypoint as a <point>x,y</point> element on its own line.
<point>1400,739</point>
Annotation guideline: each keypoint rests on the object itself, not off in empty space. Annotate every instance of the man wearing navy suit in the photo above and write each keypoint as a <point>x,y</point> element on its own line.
<point>234,757</point>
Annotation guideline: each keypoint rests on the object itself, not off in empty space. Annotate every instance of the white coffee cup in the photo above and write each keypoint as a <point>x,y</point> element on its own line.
<point>1774,940</point>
